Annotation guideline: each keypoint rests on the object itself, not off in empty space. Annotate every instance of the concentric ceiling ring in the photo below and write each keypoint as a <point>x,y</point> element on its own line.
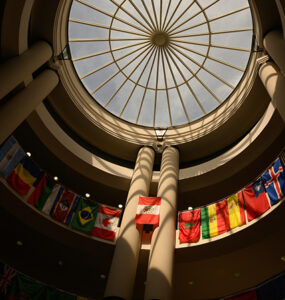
<point>160,63</point>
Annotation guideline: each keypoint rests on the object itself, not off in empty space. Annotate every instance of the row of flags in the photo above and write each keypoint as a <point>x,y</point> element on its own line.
<point>53,199</point>
<point>223,216</point>
<point>16,286</point>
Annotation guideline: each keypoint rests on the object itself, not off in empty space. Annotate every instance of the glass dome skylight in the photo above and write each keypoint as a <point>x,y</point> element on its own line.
<point>160,63</point>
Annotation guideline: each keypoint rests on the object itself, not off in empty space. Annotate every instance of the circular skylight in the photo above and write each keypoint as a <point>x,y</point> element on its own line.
<point>160,63</point>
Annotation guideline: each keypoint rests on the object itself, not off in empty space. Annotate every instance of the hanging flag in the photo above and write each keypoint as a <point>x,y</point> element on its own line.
<point>189,226</point>
<point>10,155</point>
<point>25,288</point>
<point>85,216</point>
<point>236,210</point>
<point>24,176</point>
<point>274,182</point>
<point>106,223</point>
<point>148,211</point>
<point>52,294</point>
<point>255,199</point>
<point>6,276</point>
<point>246,296</point>
<point>64,205</point>
<point>215,219</point>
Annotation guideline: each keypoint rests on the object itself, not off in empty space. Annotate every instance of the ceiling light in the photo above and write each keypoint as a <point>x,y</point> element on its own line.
<point>29,154</point>
<point>87,195</point>
<point>191,282</point>
<point>283,258</point>
<point>237,274</point>
<point>190,208</point>
<point>60,263</point>
<point>19,243</point>
<point>103,276</point>
<point>120,205</point>
<point>55,178</point>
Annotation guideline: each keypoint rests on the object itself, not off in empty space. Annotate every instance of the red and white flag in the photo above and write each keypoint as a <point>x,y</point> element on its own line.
<point>148,211</point>
<point>106,223</point>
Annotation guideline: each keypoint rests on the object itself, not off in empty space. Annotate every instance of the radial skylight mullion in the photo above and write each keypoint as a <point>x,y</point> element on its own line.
<point>155,15</point>
<point>193,16</point>
<point>105,40</point>
<point>166,14</point>
<point>146,86</point>
<point>187,83</point>
<point>129,14</point>
<point>106,27</point>
<point>140,13</point>
<point>172,15</point>
<point>172,32</point>
<point>211,45</point>
<point>176,86</point>
<point>160,15</point>
<point>206,69</point>
<point>180,16</point>
<point>214,32</point>
<point>127,78</point>
<point>149,15</point>
<point>195,75</point>
<point>212,58</point>
<point>111,16</point>
<point>112,62</point>
<point>156,86</point>
<point>137,82</point>
<point>166,88</point>
<point>118,72</point>
<point>109,51</point>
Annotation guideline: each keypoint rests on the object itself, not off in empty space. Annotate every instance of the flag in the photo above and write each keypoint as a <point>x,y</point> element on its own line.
<point>24,176</point>
<point>64,205</point>
<point>274,182</point>
<point>255,199</point>
<point>189,226</point>
<point>84,218</point>
<point>215,219</point>
<point>148,211</point>
<point>6,276</point>
<point>25,288</point>
<point>236,210</point>
<point>10,155</point>
<point>106,223</point>
<point>52,294</point>
<point>246,296</point>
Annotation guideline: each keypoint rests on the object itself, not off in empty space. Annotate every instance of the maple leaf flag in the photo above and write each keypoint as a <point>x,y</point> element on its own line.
<point>106,223</point>
<point>148,211</point>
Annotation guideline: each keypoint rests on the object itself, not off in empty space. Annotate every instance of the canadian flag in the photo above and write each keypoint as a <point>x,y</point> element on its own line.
<point>106,223</point>
<point>148,210</point>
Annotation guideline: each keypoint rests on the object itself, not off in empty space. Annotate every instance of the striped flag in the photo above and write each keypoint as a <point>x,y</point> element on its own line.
<point>236,210</point>
<point>106,223</point>
<point>148,211</point>
<point>10,155</point>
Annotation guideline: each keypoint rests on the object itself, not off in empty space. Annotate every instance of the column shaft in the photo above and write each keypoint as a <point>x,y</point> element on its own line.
<point>274,44</point>
<point>274,83</point>
<point>160,268</point>
<point>18,108</point>
<point>124,265</point>
<point>17,69</point>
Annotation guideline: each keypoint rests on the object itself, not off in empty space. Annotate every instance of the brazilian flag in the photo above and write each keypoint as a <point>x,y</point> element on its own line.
<point>85,216</point>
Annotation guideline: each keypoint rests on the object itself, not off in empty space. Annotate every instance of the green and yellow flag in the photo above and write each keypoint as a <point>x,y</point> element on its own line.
<point>85,216</point>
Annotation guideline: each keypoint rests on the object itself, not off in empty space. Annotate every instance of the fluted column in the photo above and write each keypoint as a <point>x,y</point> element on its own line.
<point>18,108</point>
<point>15,70</point>
<point>274,44</point>
<point>124,265</point>
<point>160,267</point>
<point>274,83</point>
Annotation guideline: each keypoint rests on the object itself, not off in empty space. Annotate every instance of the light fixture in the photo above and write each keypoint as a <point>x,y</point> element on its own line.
<point>87,195</point>
<point>29,154</point>
<point>120,205</point>
<point>190,208</point>
<point>19,243</point>
<point>160,133</point>
<point>191,282</point>
<point>237,274</point>
<point>283,258</point>
<point>102,276</point>
<point>60,263</point>
<point>55,178</point>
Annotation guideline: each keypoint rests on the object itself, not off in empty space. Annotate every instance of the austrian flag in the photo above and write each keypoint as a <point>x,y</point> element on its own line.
<point>148,211</point>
